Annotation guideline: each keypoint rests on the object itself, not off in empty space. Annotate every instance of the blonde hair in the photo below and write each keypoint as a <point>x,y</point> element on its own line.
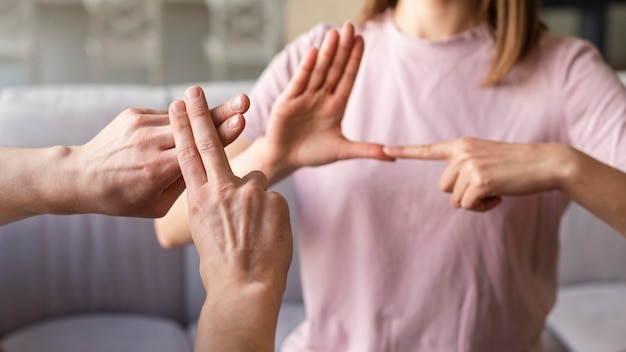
<point>514,23</point>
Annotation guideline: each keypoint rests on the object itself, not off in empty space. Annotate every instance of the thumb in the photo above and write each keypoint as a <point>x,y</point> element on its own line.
<point>354,150</point>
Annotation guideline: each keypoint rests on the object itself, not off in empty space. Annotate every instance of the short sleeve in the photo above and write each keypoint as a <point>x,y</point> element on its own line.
<point>595,104</point>
<point>275,78</point>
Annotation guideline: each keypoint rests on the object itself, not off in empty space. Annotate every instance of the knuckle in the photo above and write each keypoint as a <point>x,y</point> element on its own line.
<point>186,154</point>
<point>467,204</point>
<point>278,205</point>
<point>350,75</point>
<point>224,190</point>
<point>136,120</point>
<point>142,138</point>
<point>279,200</point>
<point>251,191</point>
<point>465,144</point>
<point>426,149</point>
<point>464,156</point>
<point>150,171</point>
<point>197,110</point>
<point>481,180</point>
<point>258,175</point>
<point>133,111</point>
<point>209,145</point>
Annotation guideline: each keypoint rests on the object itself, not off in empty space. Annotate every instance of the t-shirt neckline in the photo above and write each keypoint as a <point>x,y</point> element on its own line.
<point>457,46</point>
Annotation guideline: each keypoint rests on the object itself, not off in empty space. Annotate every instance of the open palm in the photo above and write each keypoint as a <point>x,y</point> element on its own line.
<point>304,128</point>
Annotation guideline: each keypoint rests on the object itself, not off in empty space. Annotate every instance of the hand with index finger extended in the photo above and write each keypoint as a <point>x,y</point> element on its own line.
<point>480,171</point>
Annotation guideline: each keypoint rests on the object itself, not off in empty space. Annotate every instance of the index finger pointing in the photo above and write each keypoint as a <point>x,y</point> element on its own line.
<point>434,151</point>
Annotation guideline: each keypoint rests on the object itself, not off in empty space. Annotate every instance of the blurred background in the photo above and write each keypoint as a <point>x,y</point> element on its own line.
<point>181,41</point>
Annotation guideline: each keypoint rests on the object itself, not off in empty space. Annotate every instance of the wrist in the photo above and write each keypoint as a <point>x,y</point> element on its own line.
<point>57,187</point>
<point>569,168</point>
<point>239,318</point>
<point>272,161</point>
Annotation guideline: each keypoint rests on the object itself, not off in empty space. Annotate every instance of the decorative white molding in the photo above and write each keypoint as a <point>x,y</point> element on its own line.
<point>125,33</point>
<point>18,27</point>
<point>78,2</point>
<point>242,32</point>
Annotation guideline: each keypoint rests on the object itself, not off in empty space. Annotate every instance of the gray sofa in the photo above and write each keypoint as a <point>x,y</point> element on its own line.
<point>98,283</point>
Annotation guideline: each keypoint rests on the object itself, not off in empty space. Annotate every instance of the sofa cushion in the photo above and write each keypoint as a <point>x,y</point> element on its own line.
<point>289,318</point>
<point>590,250</point>
<point>591,317</point>
<point>59,265</point>
<point>41,116</point>
<point>99,333</point>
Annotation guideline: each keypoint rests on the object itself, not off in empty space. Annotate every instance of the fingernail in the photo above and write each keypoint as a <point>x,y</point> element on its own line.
<point>178,107</point>
<point>233,122</point>
<point>236,103</point>
<point>192,93</point>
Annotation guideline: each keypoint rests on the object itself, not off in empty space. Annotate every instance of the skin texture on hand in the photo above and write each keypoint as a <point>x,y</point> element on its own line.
<point>242,234</point>
<point>480,172</point>
<point>133,163</point>
<point>128,169</point>
<point>304,128</point>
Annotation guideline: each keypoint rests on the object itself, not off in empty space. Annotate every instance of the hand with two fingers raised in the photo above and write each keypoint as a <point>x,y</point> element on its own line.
<point>241,231</point>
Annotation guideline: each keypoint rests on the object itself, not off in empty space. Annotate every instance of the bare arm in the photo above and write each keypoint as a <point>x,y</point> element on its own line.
<point>599,188</point>
<point>128,169</point>
<point>37,181</point>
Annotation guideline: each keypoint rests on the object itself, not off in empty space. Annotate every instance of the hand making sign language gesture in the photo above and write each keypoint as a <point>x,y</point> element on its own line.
<point>480,172</point>
<point>241,231</point>
<point>128,169</point>
<point>304,127</point>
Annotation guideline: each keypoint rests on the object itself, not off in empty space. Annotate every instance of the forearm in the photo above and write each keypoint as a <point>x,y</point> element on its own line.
<point>238,319</point>
<point>172,230</point>
<point>37,181</point>
<point>597,187</point>
<point>259,156</point>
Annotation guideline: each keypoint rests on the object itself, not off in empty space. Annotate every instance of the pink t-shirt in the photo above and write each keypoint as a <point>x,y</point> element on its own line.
<point>387,264</point>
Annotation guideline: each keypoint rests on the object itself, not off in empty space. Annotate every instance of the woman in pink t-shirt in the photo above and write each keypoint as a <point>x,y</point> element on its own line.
<point>473,98</point>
